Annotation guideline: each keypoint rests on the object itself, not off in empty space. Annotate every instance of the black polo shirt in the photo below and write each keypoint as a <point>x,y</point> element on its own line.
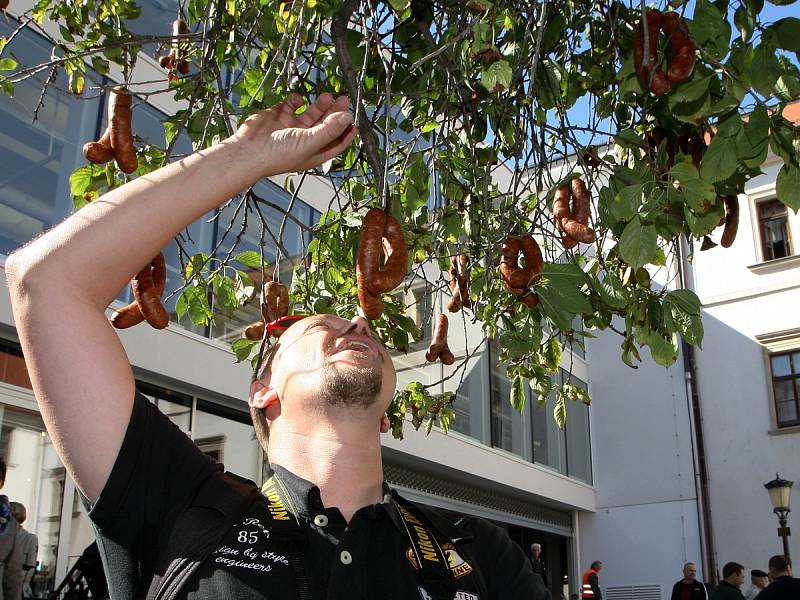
<point>159,470</point>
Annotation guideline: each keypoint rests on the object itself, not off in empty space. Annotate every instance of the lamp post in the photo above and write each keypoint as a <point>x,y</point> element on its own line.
<point>779,492</point>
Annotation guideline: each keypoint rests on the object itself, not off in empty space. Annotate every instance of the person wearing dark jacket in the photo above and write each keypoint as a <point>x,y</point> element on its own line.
<point>169,521</point>
<point>729,587</point>
<point>689,588</point>
<point>783,586</point>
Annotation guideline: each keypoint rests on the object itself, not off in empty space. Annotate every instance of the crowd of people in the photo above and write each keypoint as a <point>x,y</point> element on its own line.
<point>775,584</point>
<point>18,547</point>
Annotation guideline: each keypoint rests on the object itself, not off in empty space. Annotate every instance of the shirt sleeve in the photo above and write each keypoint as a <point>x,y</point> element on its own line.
<point>507,571</point>
<point>157,472</point>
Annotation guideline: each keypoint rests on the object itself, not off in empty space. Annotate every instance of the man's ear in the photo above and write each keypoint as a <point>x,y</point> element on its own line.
<point>384,424</point>
<point>263,395</point>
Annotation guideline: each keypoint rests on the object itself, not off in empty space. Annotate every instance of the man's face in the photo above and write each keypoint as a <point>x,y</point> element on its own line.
<point>333,362</point>
<point>537,551</point>
<point>760,582</point>
<point>689,572</point>
<point>737,579</point>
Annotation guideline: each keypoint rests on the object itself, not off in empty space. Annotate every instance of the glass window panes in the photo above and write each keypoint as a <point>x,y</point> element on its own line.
<point>549,444</point>
<point>773,219</point>
<point>781,365</point>
<point>227,436</point>
<point>468,404</point>
<point>38,156</point>
<point>36,479</point>
<point>506,424</point>
<point>579,455</point>
<point>281,237</point>
<point>785,376</point>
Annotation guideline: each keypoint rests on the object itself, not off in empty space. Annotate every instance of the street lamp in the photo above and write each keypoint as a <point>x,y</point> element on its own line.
<point>779,492</point>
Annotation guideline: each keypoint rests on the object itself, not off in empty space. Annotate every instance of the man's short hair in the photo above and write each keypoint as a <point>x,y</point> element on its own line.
<point>257,414</point>
<point>757,573</point>
<point>688,564</point>
<point>536,545</point>
<point>779,564</point>
<point>596,564</point>
<point>18,511</point>
<point>731,568</point>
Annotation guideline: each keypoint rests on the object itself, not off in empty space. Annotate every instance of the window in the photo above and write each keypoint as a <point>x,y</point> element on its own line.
<point>773,224</point>
<point>785,376</point>
<point>507,425</point>
<point>549,444</point>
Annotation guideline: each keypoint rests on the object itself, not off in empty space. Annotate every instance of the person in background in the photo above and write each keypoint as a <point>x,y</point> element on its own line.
<point>782,585</point>
<point>29,546</point>
<point>689,588</point>
<point>591,582</point>
<point>10,551</point>
<point>732,580</point>
<point>758,581</point>
<point>537,562</point>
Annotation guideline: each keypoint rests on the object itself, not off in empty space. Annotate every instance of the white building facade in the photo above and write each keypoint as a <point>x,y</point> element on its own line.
<point>621,484</point>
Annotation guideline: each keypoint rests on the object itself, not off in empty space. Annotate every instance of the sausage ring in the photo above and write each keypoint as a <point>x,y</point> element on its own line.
<point>574,221</point>
<point>379,230</point>
<point>131,315</point>
<point>681,47</point>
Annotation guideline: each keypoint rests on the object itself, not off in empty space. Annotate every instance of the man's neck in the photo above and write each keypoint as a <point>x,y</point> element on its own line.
<point>349,475</point>
<point>688,581</point>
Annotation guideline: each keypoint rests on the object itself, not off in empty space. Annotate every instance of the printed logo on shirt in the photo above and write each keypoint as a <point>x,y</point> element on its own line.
<point>465,596</point>
<point>274,502</point>
<point>247,548</point>
<point>457,564</point>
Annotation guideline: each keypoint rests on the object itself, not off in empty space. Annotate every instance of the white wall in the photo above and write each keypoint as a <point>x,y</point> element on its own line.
<point>646,524</point>
<point>744,298</point>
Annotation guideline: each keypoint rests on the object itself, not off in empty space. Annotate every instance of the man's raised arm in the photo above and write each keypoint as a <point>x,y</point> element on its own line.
<point>61,283</point>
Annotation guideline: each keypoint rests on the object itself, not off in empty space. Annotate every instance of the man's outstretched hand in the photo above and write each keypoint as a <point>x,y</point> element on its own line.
<point>283,142</point>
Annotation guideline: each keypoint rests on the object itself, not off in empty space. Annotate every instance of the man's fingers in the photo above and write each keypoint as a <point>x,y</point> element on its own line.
<point>337,146</point>
<point>318,110</point>
<point>328,131</point>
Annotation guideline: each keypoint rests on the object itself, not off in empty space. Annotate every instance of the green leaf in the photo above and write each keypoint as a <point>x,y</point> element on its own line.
<point>719,161</point>
<point>787,186</point>
<point>518,393</point>
<point>560,410</point>
<point>7,64</point>
<point>560,291</point>
<point>765,69</point>
<point>684,299</point>
<point>638,243</point>
<point>745,22</point>
<point>705,222</point>
<point>627,201</point>
<point>242,348</point>
<point>612,292</point>
<point>752,142</point>
<point>692,90</point>
<point>80,180</point>
<point>787,32</point>
<point>497,76</point>
<point>690,327</point>
<point>250,258</point>
<point>664,351</point>
<point>629,138</point>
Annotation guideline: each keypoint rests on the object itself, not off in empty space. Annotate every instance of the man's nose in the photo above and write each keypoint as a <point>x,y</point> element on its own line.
<point>359,324</point>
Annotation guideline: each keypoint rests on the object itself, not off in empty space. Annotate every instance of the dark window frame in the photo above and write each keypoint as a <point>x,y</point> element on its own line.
<point>767,252</point>
<point>794,377</point>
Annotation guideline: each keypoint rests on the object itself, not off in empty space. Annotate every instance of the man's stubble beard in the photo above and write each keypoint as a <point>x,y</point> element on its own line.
<point>352,387</point>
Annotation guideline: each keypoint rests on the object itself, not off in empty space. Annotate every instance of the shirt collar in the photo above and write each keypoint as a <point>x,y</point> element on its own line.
<point>306,496</point>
